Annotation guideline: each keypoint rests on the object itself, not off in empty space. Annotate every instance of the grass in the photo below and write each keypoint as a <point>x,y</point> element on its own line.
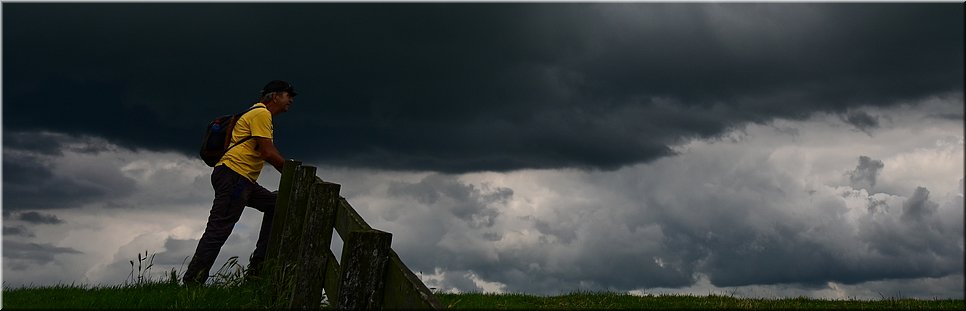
<point>604,300</point>
<point>143,296</point>
<point>250,296</point>
<point>229,291</point>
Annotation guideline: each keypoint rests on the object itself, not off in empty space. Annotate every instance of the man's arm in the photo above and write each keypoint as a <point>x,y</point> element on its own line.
<point>270,153</point>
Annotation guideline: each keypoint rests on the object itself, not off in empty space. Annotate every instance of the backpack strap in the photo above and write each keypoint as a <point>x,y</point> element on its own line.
<point>233,129</point>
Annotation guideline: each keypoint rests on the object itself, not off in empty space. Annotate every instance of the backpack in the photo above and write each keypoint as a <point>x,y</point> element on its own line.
<point>217,139</point>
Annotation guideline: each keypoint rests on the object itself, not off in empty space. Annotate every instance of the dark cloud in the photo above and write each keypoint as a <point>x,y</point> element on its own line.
<point>17,231</point>
<point>32,179</point>
<point>477,207</point>
<point>39,143</point>
<point>471,86</point>
<point>918,235</point>
<point>864,175</point>
<point>40,218</point>
<point>862,121</point>
<point>36,253</point>
<point>53,144</point>
<point>29,184</point>
<point>918,206</point>
<point>561,232</point>
<point>949,116</point>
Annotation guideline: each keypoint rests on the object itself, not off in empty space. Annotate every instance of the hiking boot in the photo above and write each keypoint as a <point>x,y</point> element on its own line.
<point>254,267</point>
<point>198,280</point>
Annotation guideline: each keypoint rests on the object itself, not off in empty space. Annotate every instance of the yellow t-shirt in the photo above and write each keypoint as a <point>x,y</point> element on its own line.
<point>244,159</point>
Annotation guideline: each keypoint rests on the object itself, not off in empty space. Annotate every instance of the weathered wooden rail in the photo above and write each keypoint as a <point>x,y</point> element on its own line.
<point>300,262</point>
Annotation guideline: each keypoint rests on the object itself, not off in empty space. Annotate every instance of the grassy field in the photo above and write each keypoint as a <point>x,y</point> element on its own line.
<point>230,291</point>
<point>167,295</point>
<point>711,302</point>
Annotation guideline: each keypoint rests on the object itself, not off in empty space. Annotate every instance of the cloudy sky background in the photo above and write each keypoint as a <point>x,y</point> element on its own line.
<point>757,149</point>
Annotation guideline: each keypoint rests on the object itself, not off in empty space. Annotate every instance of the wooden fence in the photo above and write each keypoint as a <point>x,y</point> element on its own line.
<point>369,275</point>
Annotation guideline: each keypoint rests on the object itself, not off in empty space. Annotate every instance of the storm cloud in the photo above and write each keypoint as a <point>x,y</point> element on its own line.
<point>40,218</point>
<point>862,121</point>
<point>18,254</point>
<point>49,171</point>
<point>863,177</point>
<point>511,147</point>
<point>17,231</point>
<point>471,86</point>
<point>724,214</point>
<point>918,206</point>
<point>727,213</point>
<point>476,206</point>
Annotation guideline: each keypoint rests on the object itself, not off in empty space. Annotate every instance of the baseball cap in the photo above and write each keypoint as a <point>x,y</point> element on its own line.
<point>278,86</point>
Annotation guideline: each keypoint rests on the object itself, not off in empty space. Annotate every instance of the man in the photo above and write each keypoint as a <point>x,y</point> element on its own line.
<point>233,179</point>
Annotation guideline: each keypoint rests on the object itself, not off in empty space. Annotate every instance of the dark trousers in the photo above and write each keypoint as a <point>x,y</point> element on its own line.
<point>232,193</point>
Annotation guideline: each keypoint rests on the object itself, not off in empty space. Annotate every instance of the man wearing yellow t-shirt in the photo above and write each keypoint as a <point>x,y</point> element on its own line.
<point>234,182</point>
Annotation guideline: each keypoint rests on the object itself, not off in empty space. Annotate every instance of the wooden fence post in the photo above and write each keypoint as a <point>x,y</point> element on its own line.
<point>364,258</point>
<point>295,215</point>
<point>290,240</point>
<point>316,238</point>
<point>272,265</point>
<point>281,207</point>
<point>300,263</point>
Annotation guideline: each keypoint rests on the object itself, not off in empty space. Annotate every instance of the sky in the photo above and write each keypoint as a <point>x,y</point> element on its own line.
<point>751,149</point>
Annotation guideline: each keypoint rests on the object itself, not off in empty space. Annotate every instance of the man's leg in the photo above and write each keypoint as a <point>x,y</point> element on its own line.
<point>231,193</point>
<point>264,201</point>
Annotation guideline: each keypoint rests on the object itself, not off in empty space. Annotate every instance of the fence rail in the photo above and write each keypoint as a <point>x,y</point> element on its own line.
<point>370,275</point>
